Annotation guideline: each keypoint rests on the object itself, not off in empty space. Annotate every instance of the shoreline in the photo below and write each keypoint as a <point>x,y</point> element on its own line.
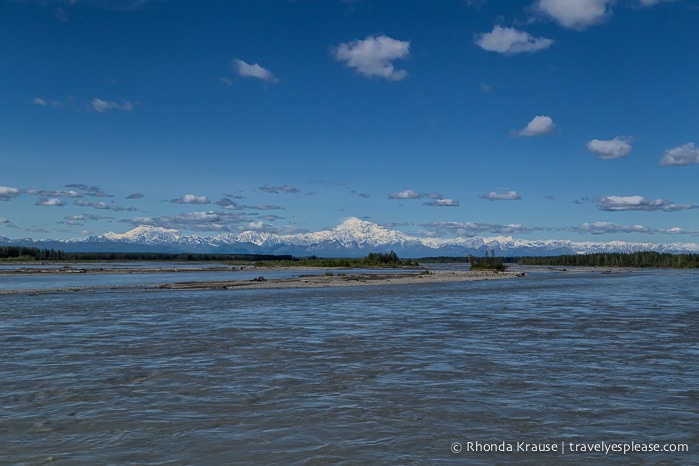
<point>302,281</point>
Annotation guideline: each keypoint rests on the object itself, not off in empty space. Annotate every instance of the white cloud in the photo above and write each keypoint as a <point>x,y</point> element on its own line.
<point>7,193</point>
<point>264,207</point>
<point>103,206</point>
<point>443,203</point>
<point>510,40</point>
<point>610,149</point>
<point>576,14</point>
<point>539,125</point>
<point>191,199</point>
<point>53,202</point>
<point>621,203</point>
<point>681,155</point>
<point>4,220</point>
<point>44,103</point>
<point>93,191</point>
<point>373,56</point>
<point>473,229</point>
<point>407,194</point>
<point>56,193</point>
<point>229,204</point>
<point>510,196</point>
<point>196,221</point>
<point>600,228</point>
<point>247,70</point>
<point>279,189</point>
<point>672,231</point>
<point>100,105</point>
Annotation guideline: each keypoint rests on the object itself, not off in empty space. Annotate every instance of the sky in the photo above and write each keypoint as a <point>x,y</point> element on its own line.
<point>537,119</point>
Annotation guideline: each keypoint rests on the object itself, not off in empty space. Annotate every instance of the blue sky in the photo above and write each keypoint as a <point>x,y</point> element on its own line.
<point>539,119</point>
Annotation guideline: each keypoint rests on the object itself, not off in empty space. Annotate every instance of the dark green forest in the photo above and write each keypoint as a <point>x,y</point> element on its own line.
<point>21,253</point>
<point>372,260</point>
<point>615,259</point>
<point>489,261</point>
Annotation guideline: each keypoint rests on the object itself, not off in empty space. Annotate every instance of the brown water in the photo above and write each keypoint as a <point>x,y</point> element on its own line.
<point>375,375</point>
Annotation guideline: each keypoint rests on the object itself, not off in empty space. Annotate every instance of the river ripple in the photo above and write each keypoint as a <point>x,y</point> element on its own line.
<point>365,375</point>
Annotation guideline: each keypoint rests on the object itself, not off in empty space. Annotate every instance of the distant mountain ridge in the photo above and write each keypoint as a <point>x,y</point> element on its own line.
<point>352,238</point>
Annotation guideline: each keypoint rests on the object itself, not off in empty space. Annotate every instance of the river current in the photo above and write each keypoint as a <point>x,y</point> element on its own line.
<point>591,368</point>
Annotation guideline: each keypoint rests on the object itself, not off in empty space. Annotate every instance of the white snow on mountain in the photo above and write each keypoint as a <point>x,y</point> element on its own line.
<point>353,237</point>
<point>356,236</point>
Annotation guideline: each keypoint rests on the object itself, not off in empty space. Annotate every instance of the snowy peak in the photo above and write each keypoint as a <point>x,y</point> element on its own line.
<point>144,233</point>
<point>354,230</point>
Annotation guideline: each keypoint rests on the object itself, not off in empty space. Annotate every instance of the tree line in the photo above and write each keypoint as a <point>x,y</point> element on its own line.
<point>489,262</point>
<point>25,253</point>
<point>372,260</point>
<point>640,259</point>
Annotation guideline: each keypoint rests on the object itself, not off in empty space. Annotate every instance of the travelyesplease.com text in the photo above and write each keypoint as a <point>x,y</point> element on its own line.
<point>564,447</point>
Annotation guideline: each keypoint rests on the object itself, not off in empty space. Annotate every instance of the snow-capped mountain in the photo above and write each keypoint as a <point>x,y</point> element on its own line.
<point>353,237</point>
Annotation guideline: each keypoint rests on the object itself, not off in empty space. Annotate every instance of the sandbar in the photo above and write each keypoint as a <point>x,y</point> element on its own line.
<point>301,281</point>
<point>345,279</point>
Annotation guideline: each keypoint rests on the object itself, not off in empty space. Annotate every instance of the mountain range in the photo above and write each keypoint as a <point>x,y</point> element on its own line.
<point>352,238</point>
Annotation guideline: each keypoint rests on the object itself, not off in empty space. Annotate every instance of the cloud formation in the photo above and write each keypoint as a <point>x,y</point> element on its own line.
<point>510,41</point>
<point>7,193</point>
<point>53,202</point>
<point>674,231</point>
<point>279,189</point>
<point>54,193</point>
<point>509,196</point>
<point>191,199</point>
<point>93,191</point>
<point>611,148</point>
<point>681,155</point>
<point>621,203</point>
<point>602,228</point>
<point>103,206</point>
<point>81,219</point>
<point>229,204</point>
<point>247,70</point>
<point>443,203</point>
<point>196,221</point>
<point>576,14</point>
<point>440,229</point>
<point>100,105</point>
<point>199,221</point>
<point>407,194</point>
<point>373,56</point>
<point>539,125</point>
